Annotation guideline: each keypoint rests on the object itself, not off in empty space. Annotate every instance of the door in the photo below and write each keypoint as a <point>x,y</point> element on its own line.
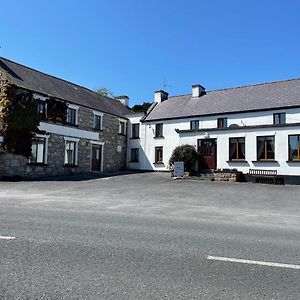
<point>208,153</point>
<point>96,157</point>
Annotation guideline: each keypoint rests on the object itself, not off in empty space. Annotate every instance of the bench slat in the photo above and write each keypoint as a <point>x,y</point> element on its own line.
<point>260,172</point>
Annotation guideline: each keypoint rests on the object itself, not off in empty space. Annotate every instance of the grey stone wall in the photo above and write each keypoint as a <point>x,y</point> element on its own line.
<point>113,160</point>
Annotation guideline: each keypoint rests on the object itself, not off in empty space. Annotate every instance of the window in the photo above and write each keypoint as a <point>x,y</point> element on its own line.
<point>38,150</point>
<point>237,148</point>
<point>279,119</point>
<point>159,130</point>
<point>71,116</point>
<point>134,155</point>
<point>265,147</point>
<point>158,155</point>
<point>194,125</point>
<point>122,127</point>
<point>41,109</point>
<point>222,122</point>
<point>135,131</point>
<point>294,147</point>
<point>70,153</point>
<point>97,122</point>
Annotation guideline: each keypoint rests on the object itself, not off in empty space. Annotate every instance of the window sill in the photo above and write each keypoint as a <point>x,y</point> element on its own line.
<point>265,161</point>
<point>159,163</point>
<point>159,137</point>
<point>70,166</point>
<point>122,134</point>
<point>297,161</point>
<point>135,138</point>
<point>237,161</point>
<point>37,164</point>
<point>134,161</point>
<point>98,130</point>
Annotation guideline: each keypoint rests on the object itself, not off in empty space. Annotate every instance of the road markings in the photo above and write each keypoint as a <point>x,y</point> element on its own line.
<point>3,237</point>
<point>253,262</point>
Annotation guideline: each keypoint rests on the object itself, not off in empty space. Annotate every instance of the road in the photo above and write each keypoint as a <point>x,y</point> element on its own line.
<point>145,236</point>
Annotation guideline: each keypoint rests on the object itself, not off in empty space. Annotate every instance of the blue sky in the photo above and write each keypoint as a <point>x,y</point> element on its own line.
<point>132,47</point>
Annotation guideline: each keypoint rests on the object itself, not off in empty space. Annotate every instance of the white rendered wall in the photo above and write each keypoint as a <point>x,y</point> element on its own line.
<point>172,139</point>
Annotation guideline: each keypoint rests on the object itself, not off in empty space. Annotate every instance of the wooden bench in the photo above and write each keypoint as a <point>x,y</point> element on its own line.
<point>265,176</point>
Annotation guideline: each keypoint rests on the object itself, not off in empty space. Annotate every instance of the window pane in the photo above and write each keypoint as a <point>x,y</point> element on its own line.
<point>71,113</point>
<point>97,122</point>
<point>70,153</point>
<point>159,130</point>
<point>40,151</point>
<point>260,148</point>
<point>194,125</point>
<point>135,130</point>
<point>33,151</point>
<point>294,147</point>
<point>37,150</point>
<point>232,149</point>
<point>241,148</point>
<point>270,147</point>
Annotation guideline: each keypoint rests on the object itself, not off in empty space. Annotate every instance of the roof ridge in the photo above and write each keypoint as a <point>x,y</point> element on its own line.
<point>58,78</point>
<point>242,86</point>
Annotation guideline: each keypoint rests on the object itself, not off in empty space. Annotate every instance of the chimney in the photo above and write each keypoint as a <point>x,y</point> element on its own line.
<point>123,99</point>
<point>197,90</point>
<point>160,96</point>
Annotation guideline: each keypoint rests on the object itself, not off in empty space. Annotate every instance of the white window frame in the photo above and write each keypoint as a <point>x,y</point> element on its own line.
<point>102,152</point>
<point>120,127</point>
<point>46,137</point>
<point>99,114</point>
<point>76,107</point>
<point>76,140</point>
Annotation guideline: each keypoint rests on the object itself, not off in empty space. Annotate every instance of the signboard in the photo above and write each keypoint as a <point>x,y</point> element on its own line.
<point>178,169</point>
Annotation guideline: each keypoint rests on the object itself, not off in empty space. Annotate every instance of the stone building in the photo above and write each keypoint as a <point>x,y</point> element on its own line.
<point>91,137</point>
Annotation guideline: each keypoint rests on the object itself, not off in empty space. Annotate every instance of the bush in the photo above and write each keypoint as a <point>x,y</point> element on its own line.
<point>185,153</point>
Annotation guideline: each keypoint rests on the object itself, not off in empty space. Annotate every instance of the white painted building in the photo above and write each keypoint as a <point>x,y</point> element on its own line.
<point>251,127</point>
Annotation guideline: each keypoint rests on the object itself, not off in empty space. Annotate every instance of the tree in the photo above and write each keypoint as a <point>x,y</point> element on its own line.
<point>104,92</point>
<point>141,107</point>
<point>187,154</point>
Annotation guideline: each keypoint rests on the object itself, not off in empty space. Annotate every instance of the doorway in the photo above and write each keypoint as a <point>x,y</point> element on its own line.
<point>96,158</point>
<point>208,153</point>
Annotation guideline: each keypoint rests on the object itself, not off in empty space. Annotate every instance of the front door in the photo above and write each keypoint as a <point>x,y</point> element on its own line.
<point>96,157</point>
<point>208,153</point>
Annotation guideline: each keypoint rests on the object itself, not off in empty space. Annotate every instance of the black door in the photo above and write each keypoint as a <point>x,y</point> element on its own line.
<point>96,157</point>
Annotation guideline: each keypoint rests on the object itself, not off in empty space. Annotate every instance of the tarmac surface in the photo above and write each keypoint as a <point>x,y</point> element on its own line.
<point>147,236</point>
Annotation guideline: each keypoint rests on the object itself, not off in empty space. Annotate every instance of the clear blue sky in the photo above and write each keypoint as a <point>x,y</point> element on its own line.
<point>133,46</point>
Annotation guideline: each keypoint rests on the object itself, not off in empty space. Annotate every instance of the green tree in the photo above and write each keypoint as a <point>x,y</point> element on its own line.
<point>141,107</point>
<point>104,92</point>
<point>187,154</point>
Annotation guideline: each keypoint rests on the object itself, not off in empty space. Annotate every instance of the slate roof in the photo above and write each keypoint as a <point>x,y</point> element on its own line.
<point>37,81</point>
<point>264,96</point>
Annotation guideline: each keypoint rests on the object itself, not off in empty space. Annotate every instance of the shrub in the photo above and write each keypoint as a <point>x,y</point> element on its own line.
<point>185,153</point>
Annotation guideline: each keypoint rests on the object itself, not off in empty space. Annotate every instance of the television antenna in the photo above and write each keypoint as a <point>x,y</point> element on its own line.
<point>165,85</point>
